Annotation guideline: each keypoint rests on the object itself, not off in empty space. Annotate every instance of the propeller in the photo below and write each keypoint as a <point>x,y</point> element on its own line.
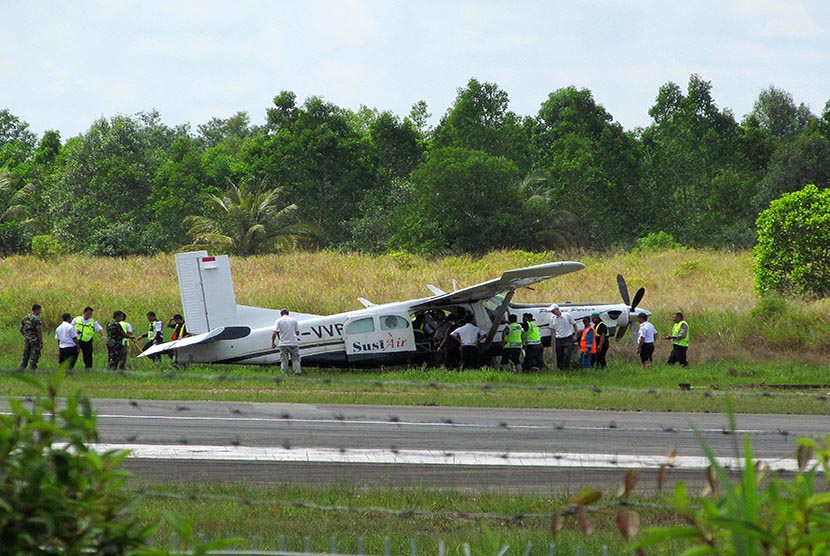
<point>638,297</point>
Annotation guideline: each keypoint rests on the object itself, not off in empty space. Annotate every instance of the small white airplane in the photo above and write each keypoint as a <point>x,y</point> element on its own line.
<point>377,335</point>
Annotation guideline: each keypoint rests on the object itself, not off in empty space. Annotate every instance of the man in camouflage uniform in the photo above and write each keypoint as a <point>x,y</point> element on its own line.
<point>31,327</point>
<point>115,337</point>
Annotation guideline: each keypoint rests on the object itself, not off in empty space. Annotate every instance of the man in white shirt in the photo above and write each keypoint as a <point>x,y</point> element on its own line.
<point>645,339</point>
<point>288,330</point>
<point>67,337</point>
<point>469,336</point>
<point>563,334</point>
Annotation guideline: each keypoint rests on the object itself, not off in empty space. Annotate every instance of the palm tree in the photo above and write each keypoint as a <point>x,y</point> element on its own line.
<point>556,227</point>
<point>247,221</point>
<point>13,200</point>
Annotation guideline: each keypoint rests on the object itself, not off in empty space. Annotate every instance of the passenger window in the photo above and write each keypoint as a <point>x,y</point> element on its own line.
<point>361,326</point>
<point>393,322</point>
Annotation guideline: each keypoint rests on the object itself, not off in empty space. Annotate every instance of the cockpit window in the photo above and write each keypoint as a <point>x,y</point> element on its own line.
<point>361,326</point>
<point>393,322</point>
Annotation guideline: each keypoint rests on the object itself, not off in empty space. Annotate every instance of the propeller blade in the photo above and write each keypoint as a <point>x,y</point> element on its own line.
<point>637,298</point>
<point>620,332</point>
<point>634,325</point>
<point>623,289</point>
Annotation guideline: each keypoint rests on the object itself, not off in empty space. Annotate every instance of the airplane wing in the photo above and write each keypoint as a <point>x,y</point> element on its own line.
<point>510,280</point>
<point>221,333</point>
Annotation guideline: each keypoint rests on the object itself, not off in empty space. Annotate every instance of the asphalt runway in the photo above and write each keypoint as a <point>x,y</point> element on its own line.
<point>536,450</point>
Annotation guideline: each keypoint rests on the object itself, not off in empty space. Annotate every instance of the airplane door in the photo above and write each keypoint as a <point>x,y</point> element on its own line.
<point>386,337</point>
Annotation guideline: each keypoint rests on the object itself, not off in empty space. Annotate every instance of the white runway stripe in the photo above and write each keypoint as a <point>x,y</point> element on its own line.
<point>422,457</point>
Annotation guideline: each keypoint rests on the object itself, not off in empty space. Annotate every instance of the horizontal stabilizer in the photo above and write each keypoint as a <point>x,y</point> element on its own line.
<point>215,335</point>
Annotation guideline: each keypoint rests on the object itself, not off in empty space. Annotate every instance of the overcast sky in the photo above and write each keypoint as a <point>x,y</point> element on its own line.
<point>65,63</point>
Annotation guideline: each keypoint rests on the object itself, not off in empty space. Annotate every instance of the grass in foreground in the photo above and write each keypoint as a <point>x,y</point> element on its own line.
<point>487,521</point>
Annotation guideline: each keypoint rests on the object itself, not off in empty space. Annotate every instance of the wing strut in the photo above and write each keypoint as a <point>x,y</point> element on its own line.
<point>497,318</point>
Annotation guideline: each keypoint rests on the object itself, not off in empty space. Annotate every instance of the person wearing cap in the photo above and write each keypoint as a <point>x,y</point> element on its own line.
<point>87,327</point>
<point>288,330</point>
<point>645,340</point>
<point>563,331</point>
<point>601,334</point>
<point>680,341</point>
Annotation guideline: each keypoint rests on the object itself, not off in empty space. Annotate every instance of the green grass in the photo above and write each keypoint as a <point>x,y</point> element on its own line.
<point>267,513</point>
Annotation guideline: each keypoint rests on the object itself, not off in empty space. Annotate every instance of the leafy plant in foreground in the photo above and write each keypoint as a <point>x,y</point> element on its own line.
<point>752,511</point>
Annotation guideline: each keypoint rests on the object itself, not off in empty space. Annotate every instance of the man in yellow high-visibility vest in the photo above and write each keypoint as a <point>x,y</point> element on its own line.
<point>680,341</point>
<point>87,327</point>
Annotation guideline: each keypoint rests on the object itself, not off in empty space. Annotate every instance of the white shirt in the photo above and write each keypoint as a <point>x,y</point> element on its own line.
<point>65,333</point>
<point>647,332</point>
<point>468,334</point>
<point>288,330</point>
<point>563,326</point>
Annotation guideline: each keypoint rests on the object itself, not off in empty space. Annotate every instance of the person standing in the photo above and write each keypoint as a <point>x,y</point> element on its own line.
<point>67,336</point>
<point>87,327</point>
<point>645,340</point>
<point>563,332</point>
<point>680,341</point>
<point>532,338</point>
<point>288,330</point>
<point>31,327</point>
<point>587,343</point>
<point>125,342</point>
<point>176,322</point>
<point>511,349</point>
<point>115,336</point>
<point>469,336</point>
<point>154,334</point>
<point>601,334</point>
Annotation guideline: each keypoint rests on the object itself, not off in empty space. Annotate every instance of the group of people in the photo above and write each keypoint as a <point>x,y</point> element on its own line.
<point>75,337</point>
<point>593,340</point>
<point>679,338</point>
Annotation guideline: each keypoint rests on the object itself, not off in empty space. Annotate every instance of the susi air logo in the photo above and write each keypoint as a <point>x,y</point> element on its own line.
<point>379,345</point>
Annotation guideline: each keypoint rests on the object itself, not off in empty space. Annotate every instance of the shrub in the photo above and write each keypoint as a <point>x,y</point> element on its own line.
<point>792,254</point>
<point>657,241</point>
<point>47,247</point>
<point>11,238</point>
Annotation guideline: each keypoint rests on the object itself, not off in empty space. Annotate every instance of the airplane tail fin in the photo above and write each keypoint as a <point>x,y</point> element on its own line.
<point>206,286</point>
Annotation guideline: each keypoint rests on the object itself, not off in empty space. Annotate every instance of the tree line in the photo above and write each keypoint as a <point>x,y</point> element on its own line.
<point>483,178</point>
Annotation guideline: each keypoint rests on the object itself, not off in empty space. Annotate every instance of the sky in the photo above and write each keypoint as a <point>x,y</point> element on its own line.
<point>64,64</point>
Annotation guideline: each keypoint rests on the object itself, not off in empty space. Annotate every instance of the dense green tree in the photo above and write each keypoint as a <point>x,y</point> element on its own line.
<point>98,202</point>
<point>323,162</point>
<point>689,143</point>
<point>480,120</point>
<point>776,112</point>
<point>248,221</point>
<point>218,130</point>
<point>17,142</point>
<point>795,163</point>
<point>464,201</point>
<point>793,251</point>
<point>592,166</point>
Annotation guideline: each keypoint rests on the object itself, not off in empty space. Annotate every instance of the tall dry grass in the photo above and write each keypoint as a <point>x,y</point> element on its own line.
<point>714,288</point>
